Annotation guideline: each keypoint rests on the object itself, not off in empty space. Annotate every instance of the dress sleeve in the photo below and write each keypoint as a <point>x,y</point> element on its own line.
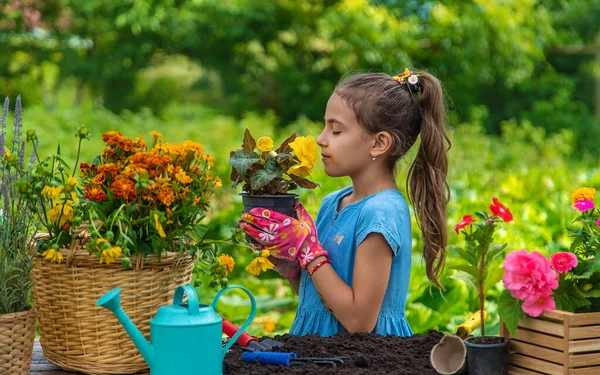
<point>384,217</point>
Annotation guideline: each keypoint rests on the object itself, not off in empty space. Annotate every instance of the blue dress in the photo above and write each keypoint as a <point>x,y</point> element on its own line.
<point>340,233</point>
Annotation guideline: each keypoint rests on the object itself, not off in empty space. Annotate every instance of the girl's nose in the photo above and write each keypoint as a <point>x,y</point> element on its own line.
<point>321,139</point>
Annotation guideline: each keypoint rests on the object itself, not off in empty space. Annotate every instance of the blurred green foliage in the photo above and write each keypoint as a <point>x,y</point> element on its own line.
<point>522,119</point>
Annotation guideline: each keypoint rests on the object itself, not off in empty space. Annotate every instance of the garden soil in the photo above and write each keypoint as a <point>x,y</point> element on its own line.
<point>367,354</point>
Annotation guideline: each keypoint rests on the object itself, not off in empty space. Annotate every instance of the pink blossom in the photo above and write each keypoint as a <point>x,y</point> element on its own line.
<point>536,305</point>
<point>528,274</point>
<point>598,222</point>
<point>583,205</point>
<point>563,261</point>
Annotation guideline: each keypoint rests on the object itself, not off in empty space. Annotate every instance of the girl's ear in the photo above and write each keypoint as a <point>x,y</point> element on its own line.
<point>382,142</point>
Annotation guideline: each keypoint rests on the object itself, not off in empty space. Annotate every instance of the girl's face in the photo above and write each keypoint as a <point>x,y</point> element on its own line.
<point>345,145</point>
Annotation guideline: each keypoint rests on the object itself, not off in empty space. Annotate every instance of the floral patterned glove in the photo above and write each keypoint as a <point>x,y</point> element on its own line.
<point>286,237</point>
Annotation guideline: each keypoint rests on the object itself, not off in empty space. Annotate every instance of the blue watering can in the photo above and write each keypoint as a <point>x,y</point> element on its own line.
<point>186,338</point>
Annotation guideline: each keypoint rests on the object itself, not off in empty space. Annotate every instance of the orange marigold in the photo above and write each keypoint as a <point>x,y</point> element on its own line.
<point>182,177</point>
<point>111,168</point>
<point>124,189</point>
<point>95,194</point>
<point>99,179</point>
<point>583,193</point>
<point>166,195</point>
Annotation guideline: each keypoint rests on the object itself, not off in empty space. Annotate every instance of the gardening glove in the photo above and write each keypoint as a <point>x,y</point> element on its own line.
<point>285,237</point>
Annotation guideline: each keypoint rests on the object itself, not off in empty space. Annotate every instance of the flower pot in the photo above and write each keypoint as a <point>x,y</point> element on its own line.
<point>75,334</point>
<point>17,332</point>
<point>280,203</point>
<point>556,342</point>
<point>283,204</point>
<point>490,358</point>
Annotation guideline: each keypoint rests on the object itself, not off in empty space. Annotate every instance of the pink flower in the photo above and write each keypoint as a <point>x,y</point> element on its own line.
<point>528,275</point>
<point>564,261</point>
<point>583,205</point>
<point>598,222</point>
<point>536,305</point>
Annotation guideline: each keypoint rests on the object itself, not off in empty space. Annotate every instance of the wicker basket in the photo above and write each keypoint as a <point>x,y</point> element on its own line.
<point>17,332</point>
<point>77,335</point>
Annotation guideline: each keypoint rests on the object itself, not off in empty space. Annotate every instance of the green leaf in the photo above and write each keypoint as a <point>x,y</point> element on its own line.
<point>584,270</point>
<point>249,143</point>
<point>471,270</point>
<point>510,311</point>
<point>262,177</point>
<point>461,253</point>
<point>464,277</point>
<point>242,160</point>
<point>494,252</point>
<point>569,298</point>
<point>494,275</point>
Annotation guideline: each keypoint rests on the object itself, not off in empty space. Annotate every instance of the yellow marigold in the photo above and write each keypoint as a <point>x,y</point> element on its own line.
<point>218,183</point>
<point>54,256</point>
<point>156,134</point>
<point>258,265</point>
<point>305,149</point>
<point>583,193</point>
<point>264,144</point>
<point>52,192</point>
<point>182,177</point>
<point>227,262</point>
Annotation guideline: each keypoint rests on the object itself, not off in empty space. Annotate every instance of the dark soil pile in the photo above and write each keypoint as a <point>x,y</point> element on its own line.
<point>365,354</point>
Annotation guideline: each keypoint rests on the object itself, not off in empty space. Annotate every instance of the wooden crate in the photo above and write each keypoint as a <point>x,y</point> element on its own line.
<point>557,342</point>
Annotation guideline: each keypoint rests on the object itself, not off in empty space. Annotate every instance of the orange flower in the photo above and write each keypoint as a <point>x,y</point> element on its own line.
<point>95,194</point>
<point>182,177</point>
<point>123,189</point>
<point>111,168</point>
<point>99,179</point>
<point>166,196</point>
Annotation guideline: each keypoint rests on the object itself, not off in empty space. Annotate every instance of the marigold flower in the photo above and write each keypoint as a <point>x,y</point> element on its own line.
<point>227,262</point>
<point>95,194</point>
<point>124,189</point>
<point>583,193</point>
<point>264,144</point>
<point>182,177</point>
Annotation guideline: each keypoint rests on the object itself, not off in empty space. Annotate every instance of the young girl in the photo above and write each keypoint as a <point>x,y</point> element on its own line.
<point>356,260</point>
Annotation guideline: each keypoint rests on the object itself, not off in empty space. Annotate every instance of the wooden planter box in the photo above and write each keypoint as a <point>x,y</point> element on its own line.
<point>557,342</point>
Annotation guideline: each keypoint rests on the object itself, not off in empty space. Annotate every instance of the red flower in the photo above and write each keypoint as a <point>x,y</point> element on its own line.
<point>500,210</point>
<point>466,220</point>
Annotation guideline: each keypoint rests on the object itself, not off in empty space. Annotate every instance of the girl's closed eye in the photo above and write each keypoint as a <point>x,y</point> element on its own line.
<point>336,132</point>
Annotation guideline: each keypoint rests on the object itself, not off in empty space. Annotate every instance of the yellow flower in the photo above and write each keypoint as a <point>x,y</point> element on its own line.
<point>182,177</point>
<point>55,213</point>
<point>583,193</point>
<point>159,228</point>
<point>258,265</point>
<point>299,170</point>
<point>52,192</point>
<point>109,255</point>
<point>53,256</point>
<point>305,149</point>
<point>264,144</point>
<point>72,181</point>
<point>218,183</point>
<point>267,322</point>
<point>156,134</point>
<point>227,262</point>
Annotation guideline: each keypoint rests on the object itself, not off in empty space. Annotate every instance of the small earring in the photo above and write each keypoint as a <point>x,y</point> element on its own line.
<point>374,159</point>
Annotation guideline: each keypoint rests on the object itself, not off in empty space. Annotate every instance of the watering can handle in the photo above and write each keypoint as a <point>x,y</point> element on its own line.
<point>193,307</point>
<point>233,339</point>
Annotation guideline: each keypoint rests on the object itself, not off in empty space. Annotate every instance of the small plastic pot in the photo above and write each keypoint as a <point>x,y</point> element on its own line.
<point>490,358</point>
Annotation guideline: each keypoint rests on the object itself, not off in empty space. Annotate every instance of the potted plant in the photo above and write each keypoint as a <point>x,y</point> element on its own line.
<point>550,308</point>
<point>267,174</point>
<point>17,316</point>
<point>485,354</point>
<point>132,219</point>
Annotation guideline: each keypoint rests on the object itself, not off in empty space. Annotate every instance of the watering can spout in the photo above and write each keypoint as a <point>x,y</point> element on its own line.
<point>112,301</point>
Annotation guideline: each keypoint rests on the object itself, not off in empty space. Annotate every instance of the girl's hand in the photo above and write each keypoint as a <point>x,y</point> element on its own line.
<point>286,237</point>
<point>287,269</point>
